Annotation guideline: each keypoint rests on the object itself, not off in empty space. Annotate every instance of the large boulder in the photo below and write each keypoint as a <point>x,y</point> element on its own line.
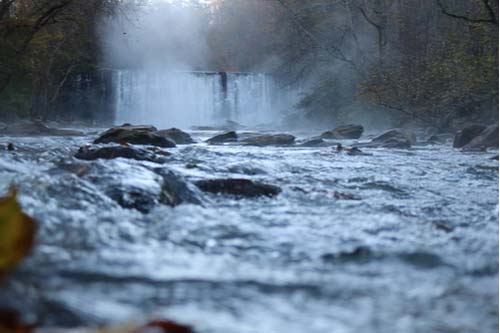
<point>344,132</point>
<point>394,138</point>
<point>140,135</point>
<point>465,135</point>
<point>238,187</point>
<point>177,136</point>
<point>486,139</point>
<point>223,138</point>
<point>108,153</point>
<point>270,140</point>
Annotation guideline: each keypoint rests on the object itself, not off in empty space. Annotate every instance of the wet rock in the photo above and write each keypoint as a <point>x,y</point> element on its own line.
<point>360,254</point>
<point>224,138</point>
<point>238,187</point>
<point>133,198</point>
<point>494,158</point>
<point>345,196</point>
<point>10,147</point>
<point>176,190</point>
<point>465,135</point>
<point>89,154</point>
<point>177,136</point>
<point>486,139</point>
<point>351,151</point>
<point>227,126</point>
<point>140,135</point>
<point>315,143</point>
<point>270,140</point>
<point>344,132</point>
<point>395,138</point>
<point>422,260</point>
<point>78,169</point>
<point>37,128</point>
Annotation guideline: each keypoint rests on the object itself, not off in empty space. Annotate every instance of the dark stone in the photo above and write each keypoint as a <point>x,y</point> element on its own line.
<point>494,158</point>
<point>270,140</point>
<point>344,132</point>
<point>176,190</point>
<point>486,139</point>
<point>37,128</point>
<point>465,135</point>
<point>345,196</point>
<point>89,154</point>
<point>133,198</point>
<point>315,143</point>
<point>395,138</point>
<point>10,147</point>
<point>360,254</point>
<point>422,260</point>
<point>140,135</point>
<point>238,187</point>
<point>223,138</point>
<point>177,136</point>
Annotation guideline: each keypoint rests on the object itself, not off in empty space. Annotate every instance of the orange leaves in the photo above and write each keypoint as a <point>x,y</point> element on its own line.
<point>17,231</point>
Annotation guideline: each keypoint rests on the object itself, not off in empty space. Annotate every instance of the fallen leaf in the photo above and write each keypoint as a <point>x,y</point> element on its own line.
<point>17,231</point>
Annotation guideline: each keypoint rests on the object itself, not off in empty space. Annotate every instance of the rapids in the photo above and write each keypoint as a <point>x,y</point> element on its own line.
<point>418,252</point>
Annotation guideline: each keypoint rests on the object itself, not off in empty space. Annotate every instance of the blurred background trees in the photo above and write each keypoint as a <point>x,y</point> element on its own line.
<point>432,62</point>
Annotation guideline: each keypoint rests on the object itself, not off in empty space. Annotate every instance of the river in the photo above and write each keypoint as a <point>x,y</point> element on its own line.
<point>399,241</point>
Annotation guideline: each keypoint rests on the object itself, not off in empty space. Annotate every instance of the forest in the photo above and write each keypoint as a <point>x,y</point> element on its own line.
<point>431,62</point>
<point>249,166</point>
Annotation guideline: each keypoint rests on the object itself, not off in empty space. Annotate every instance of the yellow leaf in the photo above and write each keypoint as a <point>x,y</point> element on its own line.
<point>17,231</point>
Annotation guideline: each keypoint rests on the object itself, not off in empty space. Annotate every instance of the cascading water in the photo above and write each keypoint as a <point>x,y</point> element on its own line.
<point>183,99</point>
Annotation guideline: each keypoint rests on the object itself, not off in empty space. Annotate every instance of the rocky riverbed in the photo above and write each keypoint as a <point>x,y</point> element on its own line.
<point>401,238</point>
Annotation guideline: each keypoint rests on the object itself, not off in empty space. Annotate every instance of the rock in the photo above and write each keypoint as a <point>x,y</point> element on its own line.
<point>133,198</point>
<point>10,146</point>
<point>89,154</point>
<point>176,190</point>
<point>227,126</point>
<point>486,139</point>
<point>223,138</point>
<point>315,143</point>
<point>465,135</point>
<point>345,196</point>
<point>238,187</point>
<point>177,136</point>
<point>344,132</point>
<point>270,140</point>
<point>140,135</point>
<point>494,158</point>
<point>395,138</point>
<point>37,128</point>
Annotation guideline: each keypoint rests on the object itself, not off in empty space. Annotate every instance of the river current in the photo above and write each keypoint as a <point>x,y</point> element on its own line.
<point>399,241</point>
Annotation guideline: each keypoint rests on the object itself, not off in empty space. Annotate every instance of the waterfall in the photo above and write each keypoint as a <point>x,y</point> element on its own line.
<point>182,99</point>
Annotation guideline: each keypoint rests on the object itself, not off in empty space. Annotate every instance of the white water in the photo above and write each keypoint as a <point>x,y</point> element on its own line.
<point>184,99</point>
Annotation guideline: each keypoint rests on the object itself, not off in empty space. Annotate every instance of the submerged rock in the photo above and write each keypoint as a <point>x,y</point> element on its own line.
<point>486,139</point>
<point>37,128</point>
<point>133,198</point>
<point>467,134</point>
<point>344,132</point>
<point>270,140</point>
<point>89,154</point>
<point>177,136</point>
<point>238,187</point>
<point>140,135</point>
<point>223,138</point>
<point>394,138</point>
